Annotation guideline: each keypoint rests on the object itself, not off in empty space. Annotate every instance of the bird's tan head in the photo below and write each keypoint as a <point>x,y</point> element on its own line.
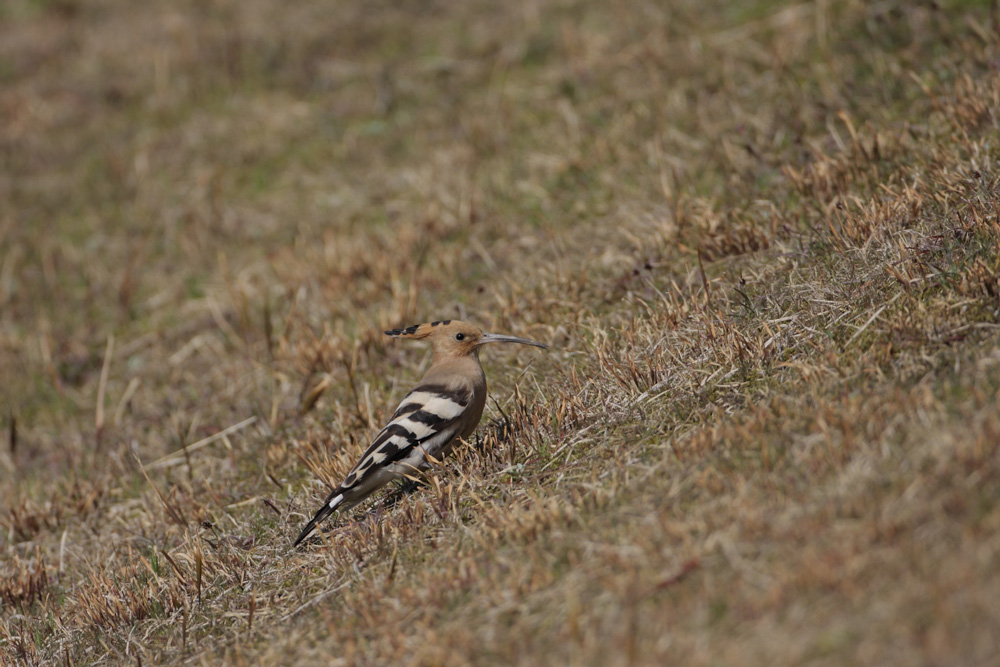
<point>454,338</point>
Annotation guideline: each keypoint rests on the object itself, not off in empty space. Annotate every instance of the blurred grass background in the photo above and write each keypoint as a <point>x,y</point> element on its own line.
<point>761,238</point>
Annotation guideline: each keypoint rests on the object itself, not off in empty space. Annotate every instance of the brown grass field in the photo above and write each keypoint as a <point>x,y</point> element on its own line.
<point>762,240</point>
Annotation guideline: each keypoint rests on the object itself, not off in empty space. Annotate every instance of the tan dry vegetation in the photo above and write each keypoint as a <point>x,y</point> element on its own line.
<point>762,240</point>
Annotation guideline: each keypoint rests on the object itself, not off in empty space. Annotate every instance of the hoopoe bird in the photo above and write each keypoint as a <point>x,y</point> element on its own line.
<point>444,407</point>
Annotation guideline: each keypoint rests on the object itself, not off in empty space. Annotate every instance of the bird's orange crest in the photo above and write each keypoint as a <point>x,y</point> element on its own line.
<point>451,338</point>
<point>418,330</point>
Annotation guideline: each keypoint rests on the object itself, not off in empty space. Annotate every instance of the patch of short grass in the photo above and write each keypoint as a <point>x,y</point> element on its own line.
<point>761,241</point>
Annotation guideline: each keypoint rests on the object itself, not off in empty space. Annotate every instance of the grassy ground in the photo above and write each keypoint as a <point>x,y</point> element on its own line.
<point>762,240</point>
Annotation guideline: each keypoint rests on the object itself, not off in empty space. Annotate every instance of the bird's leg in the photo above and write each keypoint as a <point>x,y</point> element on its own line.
<point>408,486</point>
<point>498,432</point>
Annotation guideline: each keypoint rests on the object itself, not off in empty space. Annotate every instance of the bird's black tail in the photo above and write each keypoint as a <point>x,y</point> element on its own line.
<point>326,510</point>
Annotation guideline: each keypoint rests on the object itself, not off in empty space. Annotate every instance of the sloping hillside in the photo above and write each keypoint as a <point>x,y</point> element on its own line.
<point>761,239</point>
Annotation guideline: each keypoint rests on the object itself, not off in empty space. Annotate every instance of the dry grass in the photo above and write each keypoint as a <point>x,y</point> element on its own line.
<point>762,240</point>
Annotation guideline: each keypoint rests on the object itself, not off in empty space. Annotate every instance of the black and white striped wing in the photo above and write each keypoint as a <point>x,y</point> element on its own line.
<point>427,419</point>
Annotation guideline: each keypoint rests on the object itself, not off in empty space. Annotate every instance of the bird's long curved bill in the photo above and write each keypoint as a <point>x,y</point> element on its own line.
<point>500,338</point>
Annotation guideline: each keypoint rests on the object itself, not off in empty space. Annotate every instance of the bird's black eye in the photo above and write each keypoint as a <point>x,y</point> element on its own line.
<point>459,336</point>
